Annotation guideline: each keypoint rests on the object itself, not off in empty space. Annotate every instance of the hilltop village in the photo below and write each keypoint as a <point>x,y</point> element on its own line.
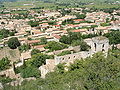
<point>46,38</point>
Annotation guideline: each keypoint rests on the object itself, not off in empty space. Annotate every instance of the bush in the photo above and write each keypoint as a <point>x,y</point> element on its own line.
<point>84,46</point>
<point>30,72</point>
<point>114,37</point>
<point>38,59</point>
<point>33,23</point>
<point>64,53</point>
<point>80,16</point>
<point>35,51</point>
<point>5,80</point>
<point>52,45</point>
<point>24,47</point>
<point>4,64</point>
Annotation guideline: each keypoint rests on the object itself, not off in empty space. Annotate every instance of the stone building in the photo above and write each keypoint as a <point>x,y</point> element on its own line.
<point>97,44</point>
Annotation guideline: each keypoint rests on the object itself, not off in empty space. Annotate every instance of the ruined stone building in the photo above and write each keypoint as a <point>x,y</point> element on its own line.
<point>97,44</point>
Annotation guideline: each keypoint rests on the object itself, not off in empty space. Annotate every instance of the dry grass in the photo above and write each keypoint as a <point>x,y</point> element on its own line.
<point>13,55</point>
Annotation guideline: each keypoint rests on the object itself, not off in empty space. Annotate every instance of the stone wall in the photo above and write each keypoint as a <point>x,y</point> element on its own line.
<point>97,44</point>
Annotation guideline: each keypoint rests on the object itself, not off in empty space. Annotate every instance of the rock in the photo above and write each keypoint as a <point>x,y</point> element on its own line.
<point>1,86</point>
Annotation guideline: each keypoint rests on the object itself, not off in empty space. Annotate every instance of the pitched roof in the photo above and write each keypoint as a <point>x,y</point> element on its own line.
<point>33,41</point>
<point>79,30</point>
<point>56,36</point>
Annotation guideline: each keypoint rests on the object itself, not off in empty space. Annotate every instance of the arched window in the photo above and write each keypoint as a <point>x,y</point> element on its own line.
<point>95,46</point>
<point>103,47</point>
<point>69,58</point>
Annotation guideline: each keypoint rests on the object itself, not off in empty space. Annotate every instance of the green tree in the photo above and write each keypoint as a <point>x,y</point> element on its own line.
<point>4,63</point>
<point>30,72</point>
<point>35,51</point>
<point>114,37</point>
<point>33,23</point>
<point>76,42</point>
<point>43,40</point>
<point>13,43</point>
<point>64,53</point>
<point>80,16</point>
<point>65,39</point>
<point>38,59</point>
<point>24,47</point>
<point>4,33</point>
<point>52,45</point>
<point>60,68</point>
<point>84,46</point>
<point>12,33</point>
<point>72,36</point>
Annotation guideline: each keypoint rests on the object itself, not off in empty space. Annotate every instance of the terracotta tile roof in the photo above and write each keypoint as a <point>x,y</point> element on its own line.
<point>79,20</point>
<point>79,30</point>
<point>22,39</point>
<point>56,36</point>
<point>64,31</point>
<point>26,55</point>
<point>57,25</point>
<point>39,46</point>
<point>33,41</point>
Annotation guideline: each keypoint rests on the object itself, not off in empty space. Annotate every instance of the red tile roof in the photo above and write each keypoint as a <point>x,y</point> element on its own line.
<point>33,41</point>
<point>39,46</point>
<point>79,20</point>
<point>79,30</point>
<point>56,36</point>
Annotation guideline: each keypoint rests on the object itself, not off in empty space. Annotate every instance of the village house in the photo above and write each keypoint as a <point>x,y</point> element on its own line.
<point>39,47</point>
<point>78,20</point>
<point>97,17</point>
<point>102,30</point>
<point>25,56</point>
<point>66,17</point>
<point>50,14</point>
<point>31,42</point>
<point>82,31</point>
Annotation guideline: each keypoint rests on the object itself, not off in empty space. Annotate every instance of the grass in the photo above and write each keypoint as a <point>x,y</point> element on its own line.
<point>33,4</point>
<point>103,6</point>
<point>13,55</point>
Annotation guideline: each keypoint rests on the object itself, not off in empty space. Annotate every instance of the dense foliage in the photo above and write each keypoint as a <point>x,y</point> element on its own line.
<point>33,23</point>
<point>30,67</point>
<point>52,45</point>
<point>43,40</point>
<point>80,16</point>
<point>4,79</point>
<point>76,39</point>
<point>114,37</point>
<point>6,33</point>
<point>84,46</point>
<point>4,63</point>
<point>95,73</point>
<point>64,53</point>
<point>30,72</point>
<point>35,51</point>
<point>13,43</point>
<point>24,47</point>
<point>68,39</point>
<point>38,59</point>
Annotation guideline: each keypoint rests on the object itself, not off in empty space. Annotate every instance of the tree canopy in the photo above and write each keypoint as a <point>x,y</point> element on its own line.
<point>13,43</point>
<point>52,45</point>
<point>4,63</point>
<point>114,37</point>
